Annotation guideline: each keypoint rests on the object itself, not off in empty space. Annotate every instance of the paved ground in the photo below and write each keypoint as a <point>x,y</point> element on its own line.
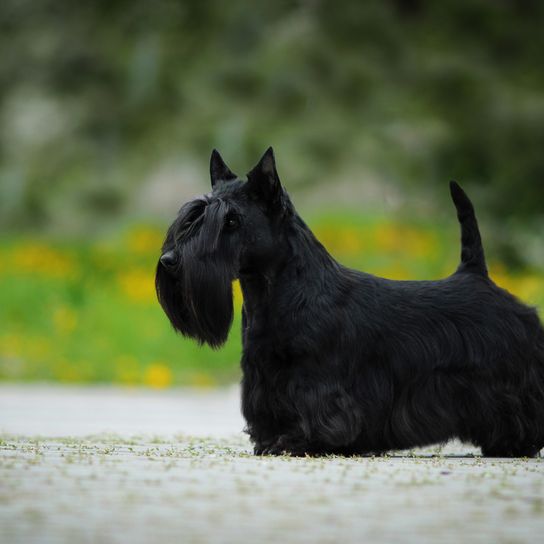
<point>113,466</point>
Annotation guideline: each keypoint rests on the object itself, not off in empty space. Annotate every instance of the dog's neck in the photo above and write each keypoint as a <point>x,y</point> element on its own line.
<point>303,263</point>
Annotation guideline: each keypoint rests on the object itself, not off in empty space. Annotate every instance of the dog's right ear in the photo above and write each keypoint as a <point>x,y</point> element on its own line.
<point>263,181</point>
<point>219,171</point>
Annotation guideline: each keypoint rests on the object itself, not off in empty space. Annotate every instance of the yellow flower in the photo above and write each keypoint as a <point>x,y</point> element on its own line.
<point>395,272</point>
<point>404,239</point>
<point>237,294</point>
<point>144,240</point>
<point>42,260</point>
<point>158,375</point>
<point>137,285</point>
<point>528,287</point>
<point>338,240</point>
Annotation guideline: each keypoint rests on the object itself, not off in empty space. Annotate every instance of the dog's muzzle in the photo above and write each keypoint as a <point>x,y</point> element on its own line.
<point>169,259</point>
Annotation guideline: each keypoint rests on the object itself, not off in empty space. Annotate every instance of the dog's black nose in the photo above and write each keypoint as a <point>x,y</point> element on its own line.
<point>169,259</point>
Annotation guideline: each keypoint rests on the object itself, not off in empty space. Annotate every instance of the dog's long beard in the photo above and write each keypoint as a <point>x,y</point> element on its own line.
<point>198,302</point>
<point>197,297</point>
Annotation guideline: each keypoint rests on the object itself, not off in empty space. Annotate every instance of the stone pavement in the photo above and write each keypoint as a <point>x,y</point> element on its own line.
<point>107,465</point>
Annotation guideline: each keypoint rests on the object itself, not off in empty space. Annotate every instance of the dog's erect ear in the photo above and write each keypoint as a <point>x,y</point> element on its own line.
<point>219,171</point>
<point>264,182</point>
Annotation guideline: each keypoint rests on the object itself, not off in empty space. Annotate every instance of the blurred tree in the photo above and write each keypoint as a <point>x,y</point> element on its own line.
<point>95,94</point>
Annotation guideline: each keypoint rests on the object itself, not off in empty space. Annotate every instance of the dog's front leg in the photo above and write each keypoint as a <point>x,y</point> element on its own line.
<point>262,447</point>
<point>288,445</point>
<point>292,441</point>
<point>328,420</point>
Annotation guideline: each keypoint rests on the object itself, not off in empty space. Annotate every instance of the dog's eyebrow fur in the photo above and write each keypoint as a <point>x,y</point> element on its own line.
<point>213,222</point>
<point>204,218</point>
<point>188,220</point>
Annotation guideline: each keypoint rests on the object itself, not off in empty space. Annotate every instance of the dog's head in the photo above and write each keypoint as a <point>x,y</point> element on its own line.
<point>235,229</point>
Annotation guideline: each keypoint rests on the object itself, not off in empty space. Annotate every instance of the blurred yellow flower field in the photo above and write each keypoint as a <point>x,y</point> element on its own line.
<point>137,285</point>
<point>158,375</point>
<point>87,312</point>
<point>40,259</point>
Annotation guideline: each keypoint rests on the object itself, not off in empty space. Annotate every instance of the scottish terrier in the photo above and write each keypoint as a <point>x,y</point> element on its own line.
<point>337,361</point>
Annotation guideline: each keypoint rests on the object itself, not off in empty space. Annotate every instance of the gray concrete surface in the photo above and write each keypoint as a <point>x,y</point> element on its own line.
<point>114,466</point>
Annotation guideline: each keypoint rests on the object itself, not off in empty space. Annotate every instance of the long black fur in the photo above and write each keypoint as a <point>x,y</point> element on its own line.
<point>196,292</point>
<point>340,361</point>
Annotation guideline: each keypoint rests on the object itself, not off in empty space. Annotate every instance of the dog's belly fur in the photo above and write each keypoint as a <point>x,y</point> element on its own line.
<point>457,357</point>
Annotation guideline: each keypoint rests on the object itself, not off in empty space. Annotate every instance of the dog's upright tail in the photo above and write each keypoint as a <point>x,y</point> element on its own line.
<point>472,251</point>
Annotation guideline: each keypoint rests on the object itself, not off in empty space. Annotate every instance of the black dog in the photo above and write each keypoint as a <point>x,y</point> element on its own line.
<point>339,361</point>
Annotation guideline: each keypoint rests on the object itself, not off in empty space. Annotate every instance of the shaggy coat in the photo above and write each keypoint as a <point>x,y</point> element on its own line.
<point>341,361</point>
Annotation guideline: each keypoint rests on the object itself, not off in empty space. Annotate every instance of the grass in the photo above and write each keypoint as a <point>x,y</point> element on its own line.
<point>86,311</point>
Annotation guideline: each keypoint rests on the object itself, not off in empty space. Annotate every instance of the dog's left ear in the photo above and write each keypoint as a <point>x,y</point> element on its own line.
<point>263,181</point>
<point>219,171</point>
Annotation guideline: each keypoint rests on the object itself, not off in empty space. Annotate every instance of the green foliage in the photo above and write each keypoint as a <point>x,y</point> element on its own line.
<point>87,312</point>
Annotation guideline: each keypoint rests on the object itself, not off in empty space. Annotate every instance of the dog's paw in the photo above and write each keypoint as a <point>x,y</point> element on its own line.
<point>285,445</point>
<point>270,447</point>
<point>274,450</point>
<point>259,449</point>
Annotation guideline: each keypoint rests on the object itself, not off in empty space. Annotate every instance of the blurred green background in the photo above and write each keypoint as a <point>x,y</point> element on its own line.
<point>109,110</point>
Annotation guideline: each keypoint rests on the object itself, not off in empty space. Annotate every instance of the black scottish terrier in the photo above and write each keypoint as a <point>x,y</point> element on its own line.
<point>339,361</point>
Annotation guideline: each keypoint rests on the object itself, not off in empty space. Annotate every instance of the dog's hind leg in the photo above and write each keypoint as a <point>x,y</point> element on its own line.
<point>507,449</point>
<point>511,425</point>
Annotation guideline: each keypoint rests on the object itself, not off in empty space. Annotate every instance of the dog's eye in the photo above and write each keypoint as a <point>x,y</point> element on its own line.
<point>231,223</point>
